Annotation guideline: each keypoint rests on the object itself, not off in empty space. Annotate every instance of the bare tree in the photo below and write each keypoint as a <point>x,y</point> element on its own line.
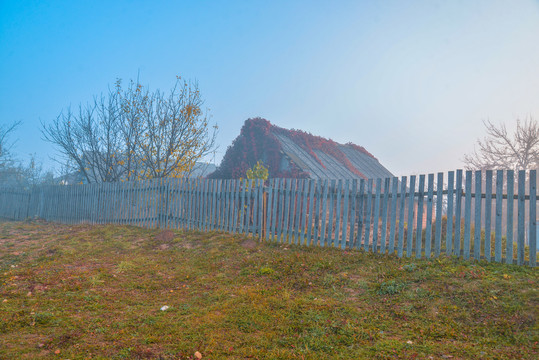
<point>135,133</point>
<point>13,172</point>
<point>5,144</point>
<point>501,150</point>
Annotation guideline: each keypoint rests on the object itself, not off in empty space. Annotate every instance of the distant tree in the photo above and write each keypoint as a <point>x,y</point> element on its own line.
<point>501,150</point>
<point>135,133</point>
<point>5,143</point>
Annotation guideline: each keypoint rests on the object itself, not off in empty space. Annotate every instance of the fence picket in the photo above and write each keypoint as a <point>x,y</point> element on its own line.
<point>376,215</point>
<point>353,208</point>
<point>367,221</point>
<point>331,199</point>
<point>205,204</point>
<point>337,236</point>
<point>261,202</point>
<point>410,235</point>
<point>318,194</point>
<point>532,236</point>
<point>312,186</point>
<point>268,206</point>
<point>303,226</point>
<point>393,214</point>
<point>289,210</point>
<point>281,208</point>
<point>240,207</point>
<point>510,203</point>
<point>298,202</point>
<point>385,200</point>
<point>521,213</point>
<point>477,221</point>
<point>458,208</point>
<point>428,225</point>
<point>439,205</point>
<point>345,214</point>
<point>235,197</point>
<point>498,225</point>
<point>450,198</point>
<point>419,229</point>
<point>402,206</point>
<point>467,214</point>
<point>200,204</point>
<point>324,203</point>
<point>252,211</point>
<point>361,211</point>
<point>274,212</point>
<point>488,213</point>
<point>247,209</point>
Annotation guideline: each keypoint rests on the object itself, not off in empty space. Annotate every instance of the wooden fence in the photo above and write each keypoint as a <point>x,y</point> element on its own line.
<point>419,216</point>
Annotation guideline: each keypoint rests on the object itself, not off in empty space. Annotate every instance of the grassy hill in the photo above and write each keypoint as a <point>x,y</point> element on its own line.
<point>79,292</point>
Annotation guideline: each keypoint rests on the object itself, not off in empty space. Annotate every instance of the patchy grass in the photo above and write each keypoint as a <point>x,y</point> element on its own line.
<point>82,292</point>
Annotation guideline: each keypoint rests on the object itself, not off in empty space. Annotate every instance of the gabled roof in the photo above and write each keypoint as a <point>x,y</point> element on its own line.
<point>325,166</point>
<point>325,159</point>
<point>309,155</point>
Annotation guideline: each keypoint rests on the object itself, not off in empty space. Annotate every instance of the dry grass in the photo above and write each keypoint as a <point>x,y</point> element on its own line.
<point>80,292</point>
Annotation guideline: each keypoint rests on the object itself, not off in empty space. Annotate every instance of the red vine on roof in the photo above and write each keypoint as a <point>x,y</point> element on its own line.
<point>255,142</point>
<point>258,142</point>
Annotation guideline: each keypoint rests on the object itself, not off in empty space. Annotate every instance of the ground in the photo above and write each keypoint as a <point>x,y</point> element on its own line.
<point>86,291</point>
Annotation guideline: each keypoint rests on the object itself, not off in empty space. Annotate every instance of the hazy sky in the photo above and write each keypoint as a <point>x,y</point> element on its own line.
<point>409,80</point>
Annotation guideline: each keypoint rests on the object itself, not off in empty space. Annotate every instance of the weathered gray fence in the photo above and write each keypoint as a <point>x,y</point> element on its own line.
<point>419,216</point>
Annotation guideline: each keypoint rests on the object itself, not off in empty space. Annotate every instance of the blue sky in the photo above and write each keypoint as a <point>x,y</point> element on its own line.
<point>409,80</point>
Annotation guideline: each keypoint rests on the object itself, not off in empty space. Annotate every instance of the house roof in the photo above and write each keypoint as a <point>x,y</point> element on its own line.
<point>330,164</point>
<point>309,155</point>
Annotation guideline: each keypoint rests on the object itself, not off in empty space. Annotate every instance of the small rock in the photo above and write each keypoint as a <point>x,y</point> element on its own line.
<point>164,308</point>
<point>198,355</point>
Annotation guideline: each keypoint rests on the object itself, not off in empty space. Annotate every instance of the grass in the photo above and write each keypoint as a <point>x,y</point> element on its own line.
<point>95,292</point>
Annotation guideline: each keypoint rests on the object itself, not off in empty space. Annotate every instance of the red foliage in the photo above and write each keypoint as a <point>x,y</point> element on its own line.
<point>360,149</point>
<point>258,142</point>
<point>255,142</point>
